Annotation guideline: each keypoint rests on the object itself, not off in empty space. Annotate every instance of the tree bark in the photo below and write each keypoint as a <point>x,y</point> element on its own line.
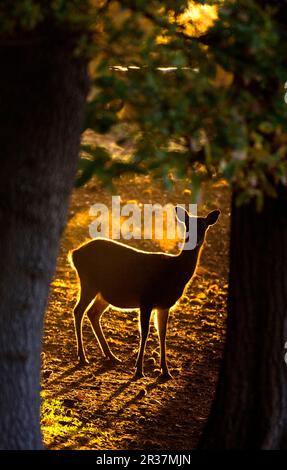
<point>250,407</point>
<point>42,95</point>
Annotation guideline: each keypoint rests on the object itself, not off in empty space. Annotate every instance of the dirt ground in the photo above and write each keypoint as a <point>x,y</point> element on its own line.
<point>101,407</point>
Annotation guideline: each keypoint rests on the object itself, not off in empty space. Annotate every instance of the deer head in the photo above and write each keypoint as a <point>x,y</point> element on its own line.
<point>200,224</point>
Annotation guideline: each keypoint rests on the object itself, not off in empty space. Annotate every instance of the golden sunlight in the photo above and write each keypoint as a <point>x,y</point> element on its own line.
<point>197,18</point>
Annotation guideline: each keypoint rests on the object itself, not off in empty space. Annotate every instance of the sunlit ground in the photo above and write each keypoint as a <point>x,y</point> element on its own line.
<point>97,407</point>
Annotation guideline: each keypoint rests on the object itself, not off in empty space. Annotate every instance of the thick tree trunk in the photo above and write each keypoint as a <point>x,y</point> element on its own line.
<point>42,96</point>
<point>250,408</point>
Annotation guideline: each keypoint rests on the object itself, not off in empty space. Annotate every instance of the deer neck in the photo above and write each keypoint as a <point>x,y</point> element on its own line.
<point>187,261</point>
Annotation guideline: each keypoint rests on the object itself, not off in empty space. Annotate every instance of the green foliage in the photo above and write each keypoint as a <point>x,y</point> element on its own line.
<point>98,160</point>
<point>217,111</point>
<point>222,107</point>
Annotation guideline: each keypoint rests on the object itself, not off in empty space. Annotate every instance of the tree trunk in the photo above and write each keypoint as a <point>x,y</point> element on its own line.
<point>250,407</point>
<point>42,96</point>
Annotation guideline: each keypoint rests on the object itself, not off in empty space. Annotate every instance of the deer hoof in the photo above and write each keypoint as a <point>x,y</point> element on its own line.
<point>83,361</point>
<point>114,360</point>
<point>164,376</point>
<point>138,375</point>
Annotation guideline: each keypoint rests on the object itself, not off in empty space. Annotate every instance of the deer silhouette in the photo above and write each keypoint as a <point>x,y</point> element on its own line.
<point>111,273</point>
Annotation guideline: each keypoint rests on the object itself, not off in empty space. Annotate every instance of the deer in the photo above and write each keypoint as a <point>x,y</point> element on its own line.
<point>112,273</point>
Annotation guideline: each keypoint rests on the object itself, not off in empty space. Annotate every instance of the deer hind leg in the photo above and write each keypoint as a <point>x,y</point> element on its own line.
<point>94,314</point>
<point>161,326</point>
<point>85,299</point>
<point>145,313</point>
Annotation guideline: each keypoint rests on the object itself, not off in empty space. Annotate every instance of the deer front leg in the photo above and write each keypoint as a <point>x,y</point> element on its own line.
<point>145,313</point>
<point>161,324</point>
<point>79,312</point>
<point>94,314</point>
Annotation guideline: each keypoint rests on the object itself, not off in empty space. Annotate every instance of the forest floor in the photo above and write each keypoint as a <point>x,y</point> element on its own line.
<point>101,407</point>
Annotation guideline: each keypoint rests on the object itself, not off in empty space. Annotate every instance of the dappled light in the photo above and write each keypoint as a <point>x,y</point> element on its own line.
<point>197,19</point>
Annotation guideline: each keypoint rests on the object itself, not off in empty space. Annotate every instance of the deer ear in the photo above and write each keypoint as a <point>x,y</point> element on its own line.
<point>182,215</point>
<point>212,217</point>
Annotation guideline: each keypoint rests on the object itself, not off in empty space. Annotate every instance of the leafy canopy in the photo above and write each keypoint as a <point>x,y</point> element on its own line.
<point>198,87</point>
